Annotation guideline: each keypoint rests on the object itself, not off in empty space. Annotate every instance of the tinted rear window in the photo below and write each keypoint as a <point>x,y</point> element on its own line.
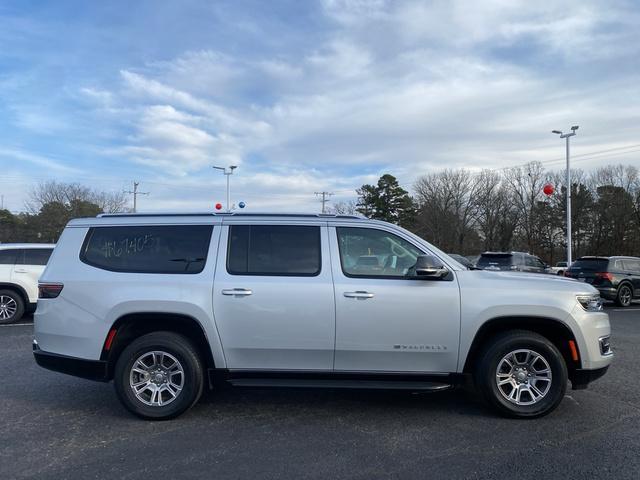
<point>274,250</point>
<point>35,256</point>
<point>8,257</point>
<point>148,249</point>
<point>591,264</point>
<point>499,260</point>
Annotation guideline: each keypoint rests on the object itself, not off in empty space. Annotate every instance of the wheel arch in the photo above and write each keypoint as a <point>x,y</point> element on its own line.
<point>133,325</point>
<point>554,330</point>
<point>18,289</point>
<point>629,283</point>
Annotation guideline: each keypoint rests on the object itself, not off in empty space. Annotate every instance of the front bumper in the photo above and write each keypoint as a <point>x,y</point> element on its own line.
<point>580,378</point>
<point>78,367</point>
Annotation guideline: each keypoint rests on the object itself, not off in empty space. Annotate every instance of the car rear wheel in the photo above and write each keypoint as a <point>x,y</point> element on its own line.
<point>11,306</point>
<point>159,376</point>
<point>625,295</point>
<point>521,374</point>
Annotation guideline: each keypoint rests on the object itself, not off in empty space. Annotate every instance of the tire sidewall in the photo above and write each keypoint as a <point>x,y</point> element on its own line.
<point>180,348</point>
<point>19,304</point>
<point>540,345</point>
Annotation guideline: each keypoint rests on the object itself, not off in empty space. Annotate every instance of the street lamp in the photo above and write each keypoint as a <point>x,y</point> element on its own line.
<point>227,171</point>
<point>567,136</point>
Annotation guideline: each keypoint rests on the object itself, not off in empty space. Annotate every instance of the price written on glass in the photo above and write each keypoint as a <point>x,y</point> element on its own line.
<point>128,246</point>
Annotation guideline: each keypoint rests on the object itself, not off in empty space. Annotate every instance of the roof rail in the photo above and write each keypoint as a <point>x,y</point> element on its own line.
<point>234,214</point>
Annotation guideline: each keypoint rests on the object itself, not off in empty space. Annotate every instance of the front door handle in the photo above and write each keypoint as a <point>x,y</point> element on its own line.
<point>240,292</point>
<point>358,294</point>
<point>20,270</point>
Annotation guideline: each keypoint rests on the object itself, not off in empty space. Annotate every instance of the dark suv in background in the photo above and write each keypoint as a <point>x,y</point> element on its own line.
<point>512,261</point>
<point>617,278</point>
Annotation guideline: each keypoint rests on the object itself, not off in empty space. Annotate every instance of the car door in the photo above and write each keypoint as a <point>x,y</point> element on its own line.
<point>7,262</point>
<point>30,264</point>
<point>632,270</point>
<point>387,321</point>
<point>273,296</point>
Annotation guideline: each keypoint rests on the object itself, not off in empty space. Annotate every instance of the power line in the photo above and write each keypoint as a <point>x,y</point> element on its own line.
<point>135,193</point>
<point>325,198</point>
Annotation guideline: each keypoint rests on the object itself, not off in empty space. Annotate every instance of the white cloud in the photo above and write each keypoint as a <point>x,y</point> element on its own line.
<point>393,86</point>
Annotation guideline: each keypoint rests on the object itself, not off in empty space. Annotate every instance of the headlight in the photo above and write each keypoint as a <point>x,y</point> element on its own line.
<point>591,303</point>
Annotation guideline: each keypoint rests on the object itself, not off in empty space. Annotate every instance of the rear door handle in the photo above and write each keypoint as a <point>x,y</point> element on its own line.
<point>241,292</point>
<point>358,294</point>
<point>20,270</point>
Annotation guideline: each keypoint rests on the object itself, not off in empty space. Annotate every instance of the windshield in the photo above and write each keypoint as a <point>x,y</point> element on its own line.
<point>500,260</point>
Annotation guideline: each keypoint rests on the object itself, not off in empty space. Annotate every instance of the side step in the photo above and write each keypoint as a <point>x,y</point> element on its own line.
<point>339,383</point>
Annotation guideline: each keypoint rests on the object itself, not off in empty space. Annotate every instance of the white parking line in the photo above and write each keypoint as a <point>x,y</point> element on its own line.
<point>16,324</point>
<point>626,309</point>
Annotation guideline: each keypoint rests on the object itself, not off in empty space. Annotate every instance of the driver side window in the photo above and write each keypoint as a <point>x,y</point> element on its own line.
<point>367,252</point>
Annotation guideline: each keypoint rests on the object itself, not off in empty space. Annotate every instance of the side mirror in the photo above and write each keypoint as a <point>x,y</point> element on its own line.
<point>428,266</point>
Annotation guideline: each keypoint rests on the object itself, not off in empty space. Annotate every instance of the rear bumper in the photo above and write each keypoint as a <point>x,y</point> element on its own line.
<point>580,378</point>
<point>608,293</point>
<point>78,367</point>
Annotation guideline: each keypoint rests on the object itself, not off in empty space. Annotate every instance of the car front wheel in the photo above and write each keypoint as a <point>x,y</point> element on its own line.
<point>159,376</point>
<point>522,374</point>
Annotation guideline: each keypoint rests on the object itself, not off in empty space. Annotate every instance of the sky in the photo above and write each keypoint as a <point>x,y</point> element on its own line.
<point>306,96</point>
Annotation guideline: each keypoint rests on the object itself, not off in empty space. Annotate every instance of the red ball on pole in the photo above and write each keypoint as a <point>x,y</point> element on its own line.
<point>548,189</point>
<point>218,206</point>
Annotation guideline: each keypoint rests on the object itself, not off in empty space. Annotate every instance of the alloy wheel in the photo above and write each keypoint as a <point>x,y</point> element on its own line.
<point>625,295</point>
<point>523,377</point>
<point>8,307</point>
<point>156,378</point>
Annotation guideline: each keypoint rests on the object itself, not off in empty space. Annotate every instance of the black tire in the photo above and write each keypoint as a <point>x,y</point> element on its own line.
<point>501,346</point>
<point>11,304</point>
<point>624,297</point>
<point>192,378</point>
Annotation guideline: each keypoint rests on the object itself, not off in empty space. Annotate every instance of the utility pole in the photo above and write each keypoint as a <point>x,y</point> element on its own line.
<point>568,181</point>
<point>325,198</point>
<point>135,194</point>
<point>227,173</point>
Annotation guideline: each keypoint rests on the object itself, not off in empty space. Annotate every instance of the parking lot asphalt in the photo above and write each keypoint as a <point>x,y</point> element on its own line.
<point>57,426</point>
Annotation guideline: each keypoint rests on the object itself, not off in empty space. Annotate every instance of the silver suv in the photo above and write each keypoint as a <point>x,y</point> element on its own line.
<point>166,304</point>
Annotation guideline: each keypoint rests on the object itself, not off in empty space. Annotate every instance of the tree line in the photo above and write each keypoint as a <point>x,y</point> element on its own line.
<point>457,210</point>
<point>51,205</point>
<point>470,212</point>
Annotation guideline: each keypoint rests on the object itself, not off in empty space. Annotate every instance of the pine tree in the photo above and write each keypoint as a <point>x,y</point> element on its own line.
<point>386,201</point>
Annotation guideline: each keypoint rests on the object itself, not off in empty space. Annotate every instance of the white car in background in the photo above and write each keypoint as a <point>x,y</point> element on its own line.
<point>21,265</point>
<point>559,269</point>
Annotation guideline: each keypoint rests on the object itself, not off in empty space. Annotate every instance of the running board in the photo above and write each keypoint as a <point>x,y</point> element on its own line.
<point>339,383</point>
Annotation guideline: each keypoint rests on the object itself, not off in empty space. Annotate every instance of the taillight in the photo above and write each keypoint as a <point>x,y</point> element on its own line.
<point>49,290</point>
<point>604,276</point>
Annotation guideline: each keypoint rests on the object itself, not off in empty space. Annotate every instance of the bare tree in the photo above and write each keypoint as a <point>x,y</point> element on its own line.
<point>525,184</point>
<point>348,207</point>
<point>73,193</point>
<point>448,206</point>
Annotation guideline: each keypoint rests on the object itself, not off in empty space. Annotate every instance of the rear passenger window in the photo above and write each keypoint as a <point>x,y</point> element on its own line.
<point>7,257</point>
<point>274,250</point>
<point>180,249</point>
<point>631,265</point>
<point>36,256</point>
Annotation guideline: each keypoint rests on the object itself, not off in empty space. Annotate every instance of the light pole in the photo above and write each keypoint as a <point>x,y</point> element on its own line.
<point>227,171</point>
<point>567,136</point>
